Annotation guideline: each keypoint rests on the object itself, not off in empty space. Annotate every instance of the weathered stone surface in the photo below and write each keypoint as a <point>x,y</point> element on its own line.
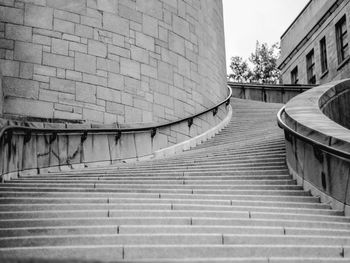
<point>38,16</point>
<point>97,48</point>
<point>130,68</point>
<point>62,85</point>
<point>108,94</point>
<point>25,107</point>
<point>58,61</point>
<point>144,41</point>
<point>28,52</point>
<point>63,26</point>
<point>60,46</point>
<point>85,63</point>
<point>76,6</point>
<point>20,88</point>
<point>85,92</point>
<point>17,32</point>
<point>11,15</point>
<point>115,24</point>
<point>9,68</point>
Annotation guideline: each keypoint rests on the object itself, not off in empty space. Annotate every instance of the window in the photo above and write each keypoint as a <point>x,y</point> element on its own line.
<point>310,67</point>
<point>323,50</point>
<point>342,43</point>
<point>294,76</point>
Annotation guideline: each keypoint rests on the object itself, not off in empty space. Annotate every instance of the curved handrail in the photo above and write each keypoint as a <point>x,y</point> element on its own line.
<point>112,130</point>
<point>324,147</point>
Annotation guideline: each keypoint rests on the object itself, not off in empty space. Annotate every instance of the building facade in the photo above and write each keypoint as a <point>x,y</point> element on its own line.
<point>111,61</point>
<point>315,48</point>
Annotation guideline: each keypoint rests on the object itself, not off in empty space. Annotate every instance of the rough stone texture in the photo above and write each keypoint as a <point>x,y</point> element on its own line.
<point>112,61</point>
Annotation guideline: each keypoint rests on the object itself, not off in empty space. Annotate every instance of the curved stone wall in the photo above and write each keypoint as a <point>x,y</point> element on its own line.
<point>111,61</point>
<point>326,175</point>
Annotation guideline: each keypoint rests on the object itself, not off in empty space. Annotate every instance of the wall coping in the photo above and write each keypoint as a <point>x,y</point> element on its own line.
<point>304,115</point>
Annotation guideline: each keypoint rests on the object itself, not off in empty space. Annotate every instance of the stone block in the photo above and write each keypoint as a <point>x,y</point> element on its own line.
<point>92,115</point>
<point>44,40</point>
<point>85,92</point>
<point>28,52</point>
<point>165,72</point>
<point>181,27</point>
<point>11,15</point>
<point>107,5</point>
<point>71,37</point>
<point>132,85</point>
<point>93,79</point>
<point>25,107</point>
<point>108,94</point>
<point>67,16</point>
<point>129,13</point>
<point>150,26</point>
<point>143,144</point>
<point>148,71</point>
<point>107,65</point>
<point>91,21</point>
<point>63,26</point>
<point>20,88</point>
<point>6,44</point>
<point>60,46</point>
<point>116,24</point>
<point>144,41</point>
<point>115,108</point>
<point>127,99</point>
<point>45,70</point>
<point>109,118</point>
<point>97,48</point>
<point>26,70</point>
<point>73,75</point>
<point>76,6</point>
<point>139,54</point>
<point>164,100</point>
<point>9,68</point>
<point>58,61</point>
<point>119,51</point>
<point>115,81</point>
<point>133,115</point>
<point>176,44</point>
<point>83,31</point>
<point>150,7</point>
<point>38,16</point>
<point>130,68</point>
<point>62,85</point>
<point>73,46</point>
<point>85,63</point>
<point>17,32</point>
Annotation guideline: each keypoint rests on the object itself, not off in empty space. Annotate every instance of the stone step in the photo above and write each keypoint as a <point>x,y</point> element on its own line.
<point>165,212</point>
<point>134,252</point>
<point>150,181</point>
<point>90,201</point>
<point>171,239</point>
<point>304,197</point>
<point>162,206</point>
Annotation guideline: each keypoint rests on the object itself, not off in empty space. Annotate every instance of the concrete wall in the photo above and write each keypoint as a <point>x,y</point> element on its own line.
<point>111,61</point>
<point>327,29</point>
<point>326,175</point>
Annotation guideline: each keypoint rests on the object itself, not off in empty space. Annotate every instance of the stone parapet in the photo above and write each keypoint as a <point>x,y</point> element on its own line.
<point>322,169</point>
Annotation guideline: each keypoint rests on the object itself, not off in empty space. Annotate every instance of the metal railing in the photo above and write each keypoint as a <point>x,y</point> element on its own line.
<point>7,131</point>
<point>326,148</point>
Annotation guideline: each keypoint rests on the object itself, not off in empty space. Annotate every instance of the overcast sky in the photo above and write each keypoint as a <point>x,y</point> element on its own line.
<point>247,21</point>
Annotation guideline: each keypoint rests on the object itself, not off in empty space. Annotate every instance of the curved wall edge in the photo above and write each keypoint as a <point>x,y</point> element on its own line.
<point>325,175</point>
<point>38,155</point>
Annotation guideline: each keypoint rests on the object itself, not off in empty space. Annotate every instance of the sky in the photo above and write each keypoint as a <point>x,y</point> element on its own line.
<point>247,21</point>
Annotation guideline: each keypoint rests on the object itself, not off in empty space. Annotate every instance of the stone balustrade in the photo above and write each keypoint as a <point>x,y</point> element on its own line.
<point>322,115</point>
<point>267,92</point>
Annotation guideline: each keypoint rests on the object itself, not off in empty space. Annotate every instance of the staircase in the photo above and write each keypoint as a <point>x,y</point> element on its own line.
<point>228,200</point>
